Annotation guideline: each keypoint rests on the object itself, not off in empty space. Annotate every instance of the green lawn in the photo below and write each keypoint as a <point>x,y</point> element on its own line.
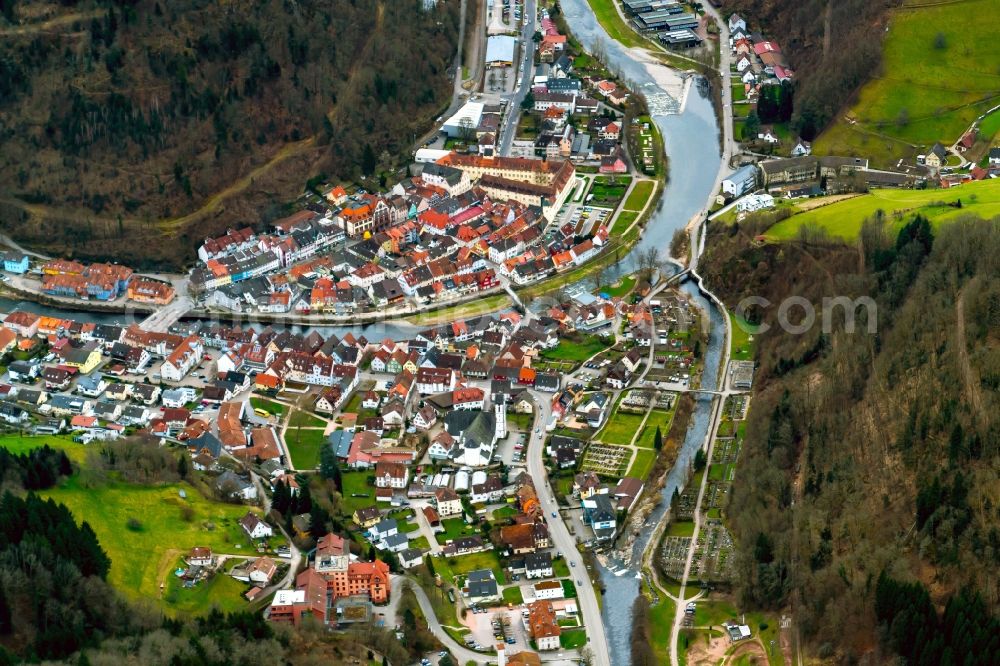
<point>714,613</point>
<point>620,288</point>
<point>618,30</point>
<point>639,196</point>
<point>221,591</point>
<point>928,91</point>
<point>573,638</point>
<point>681,529</point>
<point>622,222</point>
<point>454,528</point>
<point>462,310</point>
<point>575,351</point>
<point>504,512</point>
<point>16,443</point>
<point>620,428</point>
<point>306,420</point>
<point>512,595</point>
<point>989,127</point>
<point>356,483</point>
<point>450,567</point>
<point>304,447</point>
<point>662,615</point>
<point>739,92</point>
<point>741,347</point>
<point>559,567</point>
<point>569,588</point>
<point>643,465</point>
<point>275,408</point>
<point>843,219</point>
<point>141,559</point>
<point>657,417</point>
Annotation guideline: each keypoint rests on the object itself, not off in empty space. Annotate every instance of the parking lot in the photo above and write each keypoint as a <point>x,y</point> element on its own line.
<point>483,628</point>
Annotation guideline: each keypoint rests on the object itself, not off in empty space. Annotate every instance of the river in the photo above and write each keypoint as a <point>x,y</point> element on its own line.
<point>691,141</point>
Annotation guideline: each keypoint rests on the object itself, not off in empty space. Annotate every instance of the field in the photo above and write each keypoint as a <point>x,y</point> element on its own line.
<point>643,464</point>
<point>304,447</point>
<point>575,351</point>
<point>18,444</point>
<point>741,347</point>
<point>938,74</point>
<point>844,218</point>
<point>639,196</point>
<point>139,558</point>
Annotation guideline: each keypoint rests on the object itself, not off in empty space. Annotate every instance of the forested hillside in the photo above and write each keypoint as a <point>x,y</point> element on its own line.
<point>133,128</point>
<point>874,456</point>
<point>833,46</point>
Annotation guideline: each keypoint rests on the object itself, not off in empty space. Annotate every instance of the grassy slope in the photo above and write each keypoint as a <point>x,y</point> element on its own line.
<point>138,558</point>
<point>942,91</point>
<point>640,194</point>
<point>843,219</point>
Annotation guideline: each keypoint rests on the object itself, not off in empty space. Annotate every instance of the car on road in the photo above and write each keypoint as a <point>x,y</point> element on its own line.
<point>553,514</point>
<point>579,582</point>
<point>572,564</point>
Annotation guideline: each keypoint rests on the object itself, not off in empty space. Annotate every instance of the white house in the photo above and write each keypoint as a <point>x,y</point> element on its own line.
<point>391,475</point>
<point>255,527</point>
<point>754,202</point>
<point>548,589</point>
<point>741,181</point>
<point>180,361</point>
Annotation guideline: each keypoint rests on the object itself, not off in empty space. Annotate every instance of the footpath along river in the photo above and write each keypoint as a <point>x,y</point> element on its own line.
<point>691,140</point>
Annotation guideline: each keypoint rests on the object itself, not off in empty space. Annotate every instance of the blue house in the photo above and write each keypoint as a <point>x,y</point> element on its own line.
<point>15,262</point>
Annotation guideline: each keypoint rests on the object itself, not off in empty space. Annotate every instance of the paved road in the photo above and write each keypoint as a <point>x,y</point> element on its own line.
<point>563,541</point>
<point>730,143</point>
<point>527,76</point>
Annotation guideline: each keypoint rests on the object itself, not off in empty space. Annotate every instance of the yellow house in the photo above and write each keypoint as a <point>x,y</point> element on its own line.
<point>86,357</point>
<point>368,516</point>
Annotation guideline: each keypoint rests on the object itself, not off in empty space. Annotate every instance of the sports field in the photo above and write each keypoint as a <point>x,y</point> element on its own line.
<point>939,73</point>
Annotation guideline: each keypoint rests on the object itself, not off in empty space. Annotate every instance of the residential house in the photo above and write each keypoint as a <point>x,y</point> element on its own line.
<point>481,587</point>
<point>543,625</point>
<point>448,502</point>
<point>538,565</point>
<point>255,528</point>
<point>391,475</point>
<point>367,517</point>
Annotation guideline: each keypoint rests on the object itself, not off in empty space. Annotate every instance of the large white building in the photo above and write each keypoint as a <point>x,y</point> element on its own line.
<point>466,118</point>
<point>500,50</point>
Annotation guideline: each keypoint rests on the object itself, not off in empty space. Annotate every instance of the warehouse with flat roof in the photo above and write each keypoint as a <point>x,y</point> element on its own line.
<point>500,50</point>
